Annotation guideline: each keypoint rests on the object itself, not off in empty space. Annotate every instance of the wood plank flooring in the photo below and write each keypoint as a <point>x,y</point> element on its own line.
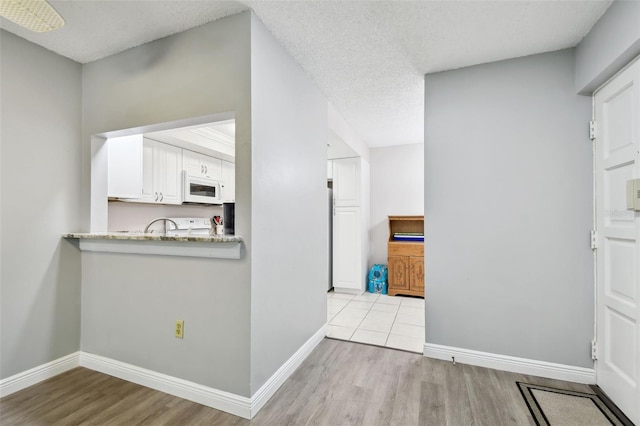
<point>340,383</point>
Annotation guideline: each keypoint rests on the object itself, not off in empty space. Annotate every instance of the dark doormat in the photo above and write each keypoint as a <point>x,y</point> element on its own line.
<point>559,407</point>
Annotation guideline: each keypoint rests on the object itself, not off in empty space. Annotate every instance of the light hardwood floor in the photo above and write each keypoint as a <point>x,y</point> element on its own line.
<point>340,383</point>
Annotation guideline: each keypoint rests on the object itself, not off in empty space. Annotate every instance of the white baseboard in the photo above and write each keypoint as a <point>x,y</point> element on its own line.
<point>266,391</point>
<point>211,397</point>
<point>37,374</point>
<point>513,364</point>
<point>344,290</point>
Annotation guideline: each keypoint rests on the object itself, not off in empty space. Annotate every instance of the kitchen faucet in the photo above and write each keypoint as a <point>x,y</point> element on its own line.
<point>165,219</point>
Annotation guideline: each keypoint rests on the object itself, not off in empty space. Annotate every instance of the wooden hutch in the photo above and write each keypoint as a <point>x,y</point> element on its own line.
<point>406,255</point>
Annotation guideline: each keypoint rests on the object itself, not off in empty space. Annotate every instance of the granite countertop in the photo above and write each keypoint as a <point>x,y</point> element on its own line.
<point>135,236</point>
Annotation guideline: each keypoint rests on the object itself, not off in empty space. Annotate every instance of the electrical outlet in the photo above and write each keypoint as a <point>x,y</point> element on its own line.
<point>180,329</point>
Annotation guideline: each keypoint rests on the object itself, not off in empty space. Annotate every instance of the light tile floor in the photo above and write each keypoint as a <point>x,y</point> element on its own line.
<point>377,319</point>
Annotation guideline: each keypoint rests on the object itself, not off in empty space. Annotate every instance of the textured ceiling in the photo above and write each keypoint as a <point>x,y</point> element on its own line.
<point>368,57</point>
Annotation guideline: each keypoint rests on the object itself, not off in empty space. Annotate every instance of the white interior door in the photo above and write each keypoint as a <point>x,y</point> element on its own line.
<point>617,115</point>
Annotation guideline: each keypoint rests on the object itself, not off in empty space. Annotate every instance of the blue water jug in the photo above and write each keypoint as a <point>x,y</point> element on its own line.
<point>378,279</point>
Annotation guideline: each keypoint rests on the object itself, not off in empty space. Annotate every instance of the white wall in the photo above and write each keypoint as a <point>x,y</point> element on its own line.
<point>40,105</point>
<point>611,44</point>
<point>130,302</point>
<point>345,132</point>
<point>397,188</point>
<point>289,270</point>
<point>508,210</point>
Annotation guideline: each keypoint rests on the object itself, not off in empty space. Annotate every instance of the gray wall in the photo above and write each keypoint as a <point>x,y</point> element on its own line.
<point>508,209</point>
<point>289,206</point>
<point>610,45</point>
<point>40,104</point>
<point>130,302</point>
<point>397,188</point>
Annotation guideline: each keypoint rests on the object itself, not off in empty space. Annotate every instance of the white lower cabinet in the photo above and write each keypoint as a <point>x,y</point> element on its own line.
<point>347,249</point>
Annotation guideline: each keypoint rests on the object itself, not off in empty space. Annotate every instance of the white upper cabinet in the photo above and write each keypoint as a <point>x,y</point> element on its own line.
<point>199,165</point>
<point>228,182</point>
<point>212,168</point>
<point>167,171</point>
<point>191,163</point>
<point>161,173</point>
<point>124,176</point>
<point>346,182</point>
<point>145,171</point>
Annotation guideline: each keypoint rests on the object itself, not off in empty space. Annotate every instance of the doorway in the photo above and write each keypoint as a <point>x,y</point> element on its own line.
<point>353,313</point>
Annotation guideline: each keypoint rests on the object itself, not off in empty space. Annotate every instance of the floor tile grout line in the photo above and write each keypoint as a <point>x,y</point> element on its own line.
<point>369,310</point>
<point>360,323</point>
<point>389,332</point>
<point>340,310</point>
<point>393,323</point>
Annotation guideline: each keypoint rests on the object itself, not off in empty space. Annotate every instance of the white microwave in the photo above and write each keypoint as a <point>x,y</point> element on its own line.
<point>201,190</point>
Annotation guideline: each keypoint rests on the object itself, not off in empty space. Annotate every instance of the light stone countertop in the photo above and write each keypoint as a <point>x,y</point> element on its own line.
<point>135,236</point>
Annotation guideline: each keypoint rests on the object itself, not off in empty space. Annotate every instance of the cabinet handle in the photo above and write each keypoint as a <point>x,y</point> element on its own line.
<point>156,199</point>
<point>161,196</point>
<point>201,168</point>
<point>206,169</point>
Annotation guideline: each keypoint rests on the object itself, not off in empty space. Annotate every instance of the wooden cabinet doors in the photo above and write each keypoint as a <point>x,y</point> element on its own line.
<point>406,273</point>
<point>416,274</point>
<point>399,276</point>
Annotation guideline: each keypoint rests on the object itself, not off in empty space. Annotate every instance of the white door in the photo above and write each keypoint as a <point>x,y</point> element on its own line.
<point>617,115</point>
<point>192,164</point>
<point>168,169</point>
<point>346,182</point>
<point>212,167</point>
<point>347,249</point>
